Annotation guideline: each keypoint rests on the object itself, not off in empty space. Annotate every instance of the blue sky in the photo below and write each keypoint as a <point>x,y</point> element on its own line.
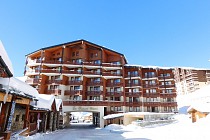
<point>148,32</point>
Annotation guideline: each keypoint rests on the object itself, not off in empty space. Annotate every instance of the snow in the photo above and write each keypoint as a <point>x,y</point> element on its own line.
<point>5,57</point>
<point>201,107</point>
<point>23,78</point>
<point>58,103</point>
<point>44,101</point>
<point>21,86</point>
<point>113,116</point>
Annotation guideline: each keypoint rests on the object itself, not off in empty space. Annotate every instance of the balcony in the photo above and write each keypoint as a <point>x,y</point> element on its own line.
<point>54,92</point>
<point>150,77</point>
<point>94,92</point>
<point>92,103</point>
<point>72,92</point>
<point>165,77</point>
<point>71,72</point>
<point>55,81</point>
<point>32,72</point>
<point>52,61</point>
<point>74,82</point>
<point>152,95</point>
<point>91,73</point>
<point>167,86</point>
<point>168,104</point>
<point>111,65</point>
<point>116,93</point>
<point>154,104</point>
<point>168,95</point>
<point>132,75</point>
<point>50,71</point>
<point>111,74</point>
<point>91,64</point>
<point>132,84</point>
<point>32,81</point>
<point>150,85</point>
<point>133,94</point>
<point>94,83</point>
<point>72,63</point>
<point>133,103</point>
<point>114,84</point>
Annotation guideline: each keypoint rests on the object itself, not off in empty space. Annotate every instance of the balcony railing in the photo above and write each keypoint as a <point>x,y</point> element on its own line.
<point>168,104</point>
<point>133,94</point>
<point>132,75</point>
<point>94,83</point>
<point>33,71</point>
<point>111,74</point>
<point>52,61</point>
<point>109,84</point>
<point>50,71</point>
<point>92,103</point>
<point>150,85</point>
<point>132,84</point>
<point>72,92</point>
<point>91,72</point>
<point>94,92</point>
<point>152,95</point>
<point>167,86</point>
<point>71,72</point>
<point>150,76</point>
<point>54,91</point>
<point>110,65</point>
<point>91,64</point>
<point>74,82</point>
<point>32,81</point>
<point>116,93</point>
<point>133,103</point>
<point>165,77</point>
<point>72,63</point>
<point>55,81</point>
<point>168,95</point>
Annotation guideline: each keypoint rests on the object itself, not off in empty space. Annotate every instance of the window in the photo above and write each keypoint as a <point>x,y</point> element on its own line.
<point>116,80</point>
<point>96,88</point>
<point>17,118</point>
<point>23,117</point>
<point>73,53</point>
<point>77,88</point>
<point>97,61</point>
<point>91,55</point>
<point>77,53</point>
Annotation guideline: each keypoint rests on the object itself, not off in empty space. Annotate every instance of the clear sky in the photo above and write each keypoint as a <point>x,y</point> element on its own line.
<point>147,32</point>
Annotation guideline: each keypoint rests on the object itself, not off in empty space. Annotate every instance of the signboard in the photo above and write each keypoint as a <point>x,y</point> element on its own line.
<point>9,97</point>
<point>81,108</point>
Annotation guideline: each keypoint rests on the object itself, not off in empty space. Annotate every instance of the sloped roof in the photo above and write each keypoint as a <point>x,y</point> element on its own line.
<point>77,41</point>
<point>20,86</point>
<point>5,61</point>
<point>201,107</point>
<point>44,102</point>
<point>58,103</point>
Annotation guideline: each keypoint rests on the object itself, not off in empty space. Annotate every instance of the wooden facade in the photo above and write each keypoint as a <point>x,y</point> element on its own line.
<point>83,73</point>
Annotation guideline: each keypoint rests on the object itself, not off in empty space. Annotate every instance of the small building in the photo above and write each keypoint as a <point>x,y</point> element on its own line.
<point>199,110</point>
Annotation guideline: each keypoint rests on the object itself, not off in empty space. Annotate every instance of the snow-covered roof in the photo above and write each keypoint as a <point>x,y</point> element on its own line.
<point>23,78</point>
<point>20,86</point>
<point>4,56</point>
<point>44,102</point>
<point>58,103</point>
<point>201,107</point>
<point>112,116</point>
<point>202,93</point>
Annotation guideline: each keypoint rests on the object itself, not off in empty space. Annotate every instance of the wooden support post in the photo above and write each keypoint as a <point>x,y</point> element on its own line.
<point>26,120</point>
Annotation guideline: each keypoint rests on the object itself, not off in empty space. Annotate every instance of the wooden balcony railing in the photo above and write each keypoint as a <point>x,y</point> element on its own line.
<point>92,103</point>
<point>54,92</point>
<point>150,85</point>
<point>132,75</point>
<point>152,95</point>
<point>150,76</point>
<point>94,92</point>
<point>52,61</point>
<point>72,63</point>
<point>132,84</point>
<point>74,82</point>
<point>91,64</point>
<point>94,83</point>
<point>165,77</point>
<point>111,74</point>
<point>109,84</point>
<point>116,93</point>
<point>55,81</point>
<point>168,104</point>
<point>91,73</point>
<point>110,65</point>
<point>133,103</point>
<point>50,71</point>
<point>133,94</point>
<point>71,72</point>
<point>168,95</point>
<point>32,81</point>
<point>167,86</point>
<point>72,92</point>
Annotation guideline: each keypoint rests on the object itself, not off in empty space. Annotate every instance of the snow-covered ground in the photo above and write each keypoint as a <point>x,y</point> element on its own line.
<point>181,129</point>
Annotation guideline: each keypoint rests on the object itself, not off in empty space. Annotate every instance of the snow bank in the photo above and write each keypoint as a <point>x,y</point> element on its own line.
<point>44,101</point>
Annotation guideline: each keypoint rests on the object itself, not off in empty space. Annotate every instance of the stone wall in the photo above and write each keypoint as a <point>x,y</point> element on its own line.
<point>18,119</point>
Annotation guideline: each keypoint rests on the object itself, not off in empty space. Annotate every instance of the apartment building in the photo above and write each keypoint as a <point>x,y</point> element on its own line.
<point>89,77</point>
<point>190,79</point>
